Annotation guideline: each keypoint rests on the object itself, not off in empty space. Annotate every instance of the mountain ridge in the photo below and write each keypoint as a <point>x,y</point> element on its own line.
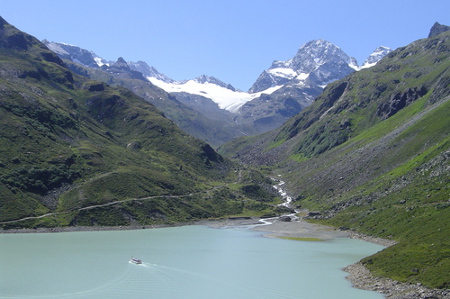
<point>79,152</point>
<point>219,107</point>
<point>371,154</point>
<point>296,82</point>
<point>239,97</point>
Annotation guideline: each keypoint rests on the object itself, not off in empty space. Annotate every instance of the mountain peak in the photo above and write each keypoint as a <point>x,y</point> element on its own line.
<point>203,79</point>
<point>314,56</point>
<point>148,71</point>
<point>315,53</point>
<point>120,62</point>
<point>438,29</point>
<point>377,54</point>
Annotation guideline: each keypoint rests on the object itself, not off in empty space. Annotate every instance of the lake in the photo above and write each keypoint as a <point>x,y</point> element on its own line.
<point>178,262</point>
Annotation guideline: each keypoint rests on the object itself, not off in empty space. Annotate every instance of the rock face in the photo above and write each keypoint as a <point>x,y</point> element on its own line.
<point>299,80</point>
<point>121,69</point>
<point>319,57</point>
<point>148,71</point>
<point>75,54</point>
<point>438,29</point>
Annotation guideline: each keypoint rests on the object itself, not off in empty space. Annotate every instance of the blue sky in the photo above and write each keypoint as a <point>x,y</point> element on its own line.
<point>231,40</point>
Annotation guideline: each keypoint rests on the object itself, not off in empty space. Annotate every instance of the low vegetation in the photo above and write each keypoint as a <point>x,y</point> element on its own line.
<point>75,151</point>
<point>372,154</point>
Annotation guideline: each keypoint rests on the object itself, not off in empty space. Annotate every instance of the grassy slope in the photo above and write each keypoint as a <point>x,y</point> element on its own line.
<point>372,153</point>
<point>67,143</point>
<point>189,120</point>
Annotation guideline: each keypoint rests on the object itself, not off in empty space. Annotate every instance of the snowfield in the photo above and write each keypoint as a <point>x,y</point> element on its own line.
<point>225,98</point>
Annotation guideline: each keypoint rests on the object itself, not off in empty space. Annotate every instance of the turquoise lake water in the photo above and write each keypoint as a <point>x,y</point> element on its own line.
<point>181,262</point>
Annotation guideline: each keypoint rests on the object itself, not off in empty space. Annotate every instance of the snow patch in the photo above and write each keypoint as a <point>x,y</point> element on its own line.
<point>287,73</point>
<point>100,62</point>
<point>302,76</point>
<point>225,98</point>
<point>367,65</point>
<point>57,48</point>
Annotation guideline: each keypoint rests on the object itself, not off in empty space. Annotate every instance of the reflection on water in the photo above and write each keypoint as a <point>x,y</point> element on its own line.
<point>182,262</point>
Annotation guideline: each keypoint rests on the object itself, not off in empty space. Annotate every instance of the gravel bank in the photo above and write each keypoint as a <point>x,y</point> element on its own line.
<point>361,278</point>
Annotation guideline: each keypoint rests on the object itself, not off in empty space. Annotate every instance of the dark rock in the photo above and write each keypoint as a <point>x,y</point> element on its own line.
<point>239,218</point>
<point>97,87</point>
<point>285,218</point>
<point>438,29</point>
<point>314,214</point>
<point>399,101</point>
<point>284,210</point>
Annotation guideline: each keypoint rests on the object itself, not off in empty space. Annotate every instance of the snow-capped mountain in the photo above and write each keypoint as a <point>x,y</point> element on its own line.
<point>224,95</point>
<point>376,56</point>
<point>294,84</point>
<point>316,64</point>
<point>280,92</point>
<point>76,54</point>
<point>319,57</point>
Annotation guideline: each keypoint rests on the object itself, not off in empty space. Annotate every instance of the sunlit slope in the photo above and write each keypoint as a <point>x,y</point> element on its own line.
<point>69,146</point>
<point>372,153</point>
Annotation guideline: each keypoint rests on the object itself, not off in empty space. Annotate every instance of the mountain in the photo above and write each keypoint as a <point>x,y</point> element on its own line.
<point>438,29</point>
<point>321,58</point>
<point>294,84</point>
<point>376,56</point>
<point>201,107</point>
<point>148,71</point>
<point>76,54</point>
<point>372,154</point>
<point>194,114</point>
<point>76,151</point>
<point>279,92</point>
<point>215,111</point>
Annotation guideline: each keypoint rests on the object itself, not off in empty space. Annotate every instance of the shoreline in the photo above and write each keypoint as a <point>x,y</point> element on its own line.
<point>359,276</point>
<point>362,278</point>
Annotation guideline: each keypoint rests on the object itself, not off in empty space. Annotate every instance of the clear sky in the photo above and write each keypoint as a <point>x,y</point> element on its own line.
<point>233,40</point>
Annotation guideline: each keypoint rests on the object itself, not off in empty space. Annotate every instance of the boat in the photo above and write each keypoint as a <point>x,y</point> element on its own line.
<point>135,261</point>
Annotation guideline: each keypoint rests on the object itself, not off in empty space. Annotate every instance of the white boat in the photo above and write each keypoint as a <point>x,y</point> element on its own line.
<point>135,261</point>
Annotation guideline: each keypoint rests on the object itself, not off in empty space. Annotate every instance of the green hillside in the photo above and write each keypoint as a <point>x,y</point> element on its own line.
<point>211,130</point>
<point>372,154</point>
<point>84,153</point>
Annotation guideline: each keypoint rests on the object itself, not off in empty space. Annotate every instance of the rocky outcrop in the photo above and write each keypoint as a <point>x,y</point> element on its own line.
<point>438,29</point>
<point>399,101</point>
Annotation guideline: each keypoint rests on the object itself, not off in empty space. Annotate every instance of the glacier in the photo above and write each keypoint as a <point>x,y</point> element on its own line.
<point>225,98</point>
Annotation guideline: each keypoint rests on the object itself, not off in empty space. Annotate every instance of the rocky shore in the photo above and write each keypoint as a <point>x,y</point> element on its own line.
<point>361,278</point>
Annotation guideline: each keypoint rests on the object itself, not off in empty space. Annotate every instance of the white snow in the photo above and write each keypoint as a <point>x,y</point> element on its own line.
<point>367,65</point>
<point>225,98</point>
<point>302,76</point>
<point>100,62</point>
<point>287,73</point>
<point>354,66</point>
<point>57,48</point>
<point>376,56</point>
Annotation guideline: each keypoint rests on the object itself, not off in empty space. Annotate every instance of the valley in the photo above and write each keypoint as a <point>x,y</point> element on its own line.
<point>366,149</point>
